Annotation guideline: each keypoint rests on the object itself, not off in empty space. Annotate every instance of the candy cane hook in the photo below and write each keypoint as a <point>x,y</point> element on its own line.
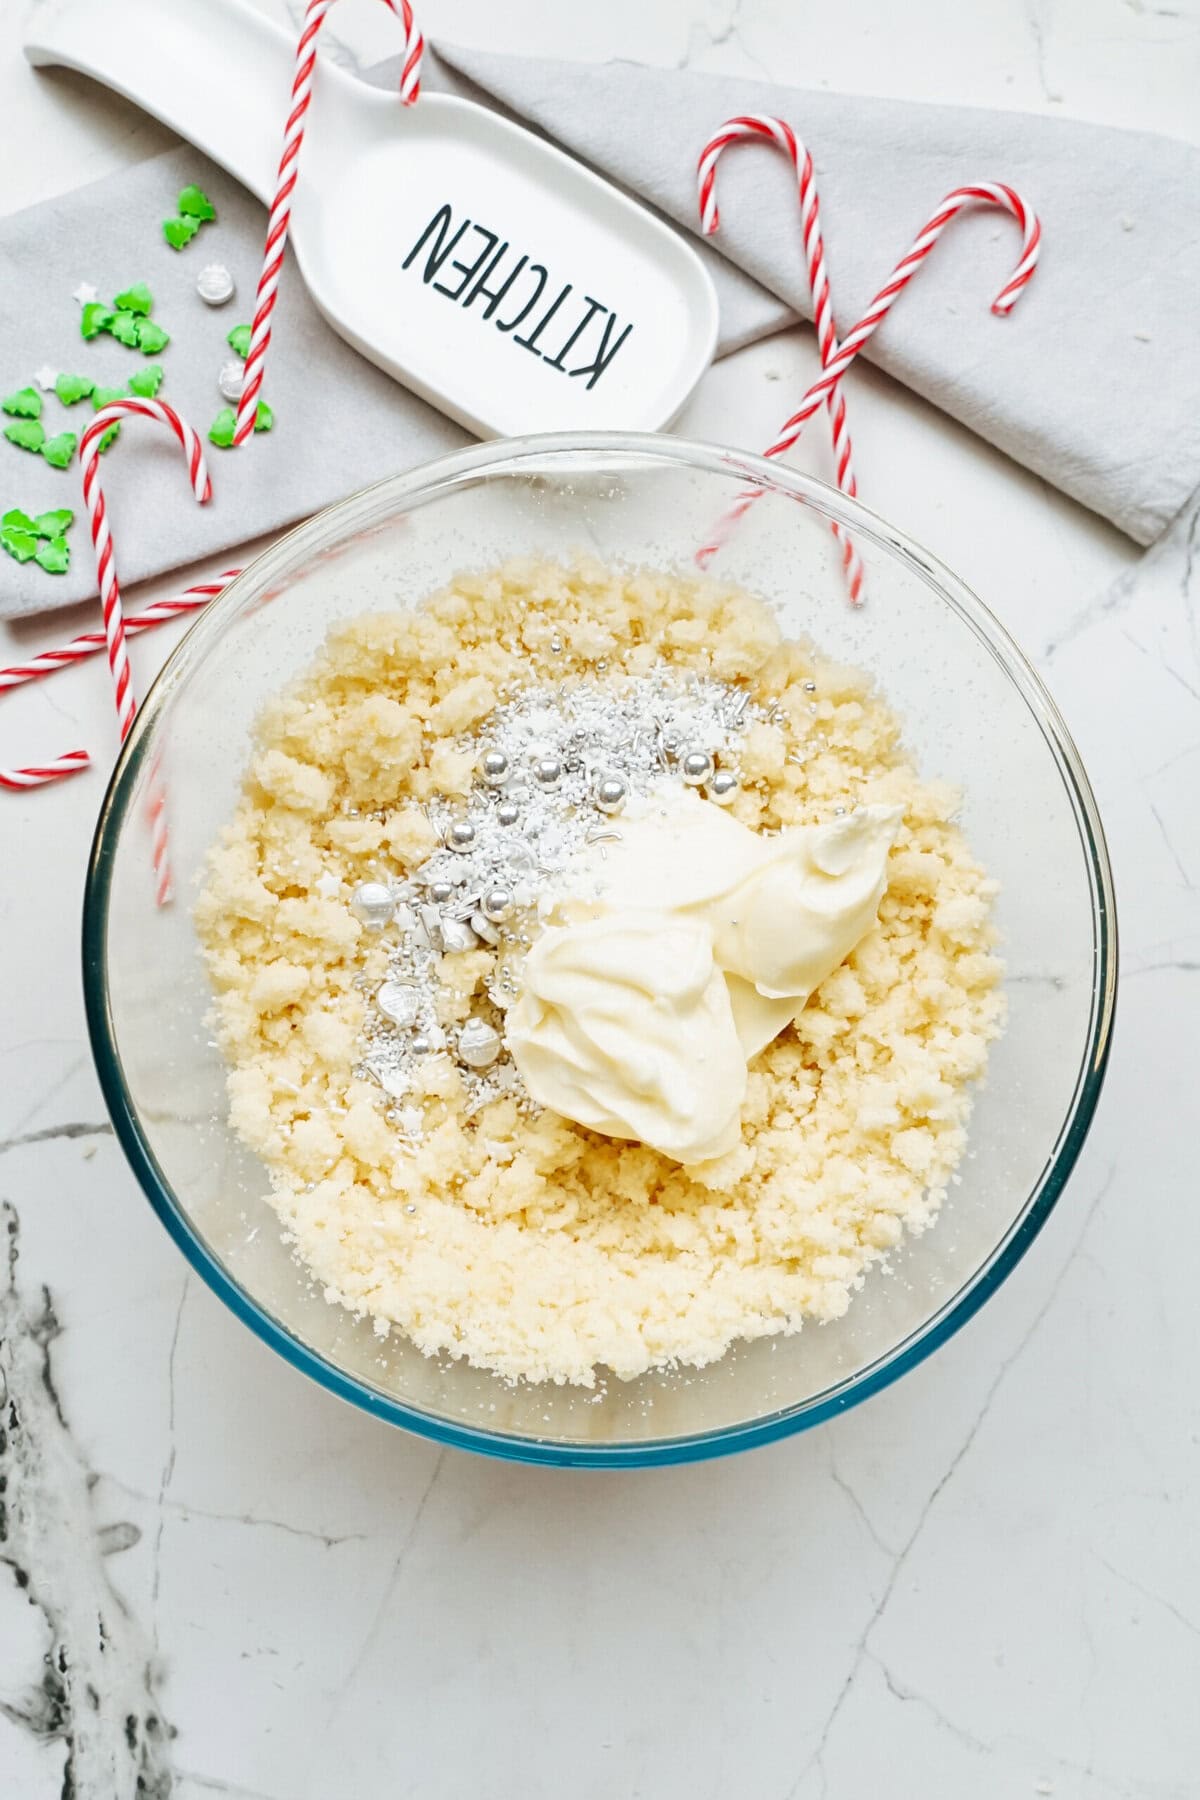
<point>744,127</point>
<point>110,592</point>
<point>279,220</point>
<point>987,193</point>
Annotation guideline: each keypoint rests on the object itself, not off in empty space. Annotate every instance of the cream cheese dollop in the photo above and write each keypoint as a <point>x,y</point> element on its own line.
<point>683,947</point>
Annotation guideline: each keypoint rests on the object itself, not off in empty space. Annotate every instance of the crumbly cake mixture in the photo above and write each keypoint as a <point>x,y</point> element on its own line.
<point>508,1236</point>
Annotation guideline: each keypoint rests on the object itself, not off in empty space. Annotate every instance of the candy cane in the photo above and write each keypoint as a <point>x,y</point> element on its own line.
<point>281,206</point>
<point>70,763</point>
<point>988,193</point>
<point>778,132</point>
<point>88,642</point>
<point>110,592</point>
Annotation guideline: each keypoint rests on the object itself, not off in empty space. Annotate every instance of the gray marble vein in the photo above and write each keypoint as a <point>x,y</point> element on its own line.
<point>96,1693</point>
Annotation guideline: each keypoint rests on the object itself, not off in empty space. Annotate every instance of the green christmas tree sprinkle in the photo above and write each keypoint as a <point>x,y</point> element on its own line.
<point>54,555</point>
<point>126,328</point>
<point>94,319</point>
<point>220,432</point>
<point>26,403</point>
<point>21,544</point>
<point>59,450</point>
<point>16,520</point>
<point>52,524</point>
<point>136,299</point>
<point>26,434</point>
<point>239,341</point>
<point>179,232</point>
<point>152,338</point>
<point>73,388</point>
<point>146,382</point>
<point>264,418</point>
<point>104,396</point>
<point>108,440</point>
<point>194,203</point>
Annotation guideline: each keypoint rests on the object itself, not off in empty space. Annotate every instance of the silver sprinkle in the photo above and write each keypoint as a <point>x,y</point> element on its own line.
<point>421,1045</point>
<point>697,766</point>
<point>460,836</point>
<point>484,929</point>
<point>215,285</point>
<point>547,771</point>
<point>372,904</point>
<point>440,892</point>
<point>457,936</point>
<point>508,812</point>
<point>493,766</point>
<point>723,787</point>
<point>230,380</point>
<point>399,1002</point>
<point>478,1044</point>
<point>610,792</point>
<point>810,687</point>
<point>497,904</point>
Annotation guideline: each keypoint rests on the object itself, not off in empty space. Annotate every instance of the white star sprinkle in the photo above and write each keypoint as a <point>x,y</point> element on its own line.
<point>85,293</point>
<point>328,886</point>
<point>46,378</point>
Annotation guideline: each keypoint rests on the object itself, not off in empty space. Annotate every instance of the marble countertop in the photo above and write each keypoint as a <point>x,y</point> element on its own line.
<point>986,1581</point>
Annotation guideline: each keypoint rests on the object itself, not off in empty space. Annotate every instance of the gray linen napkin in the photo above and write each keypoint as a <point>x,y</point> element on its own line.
<point>1113,296</point>
<point>1093,382</point>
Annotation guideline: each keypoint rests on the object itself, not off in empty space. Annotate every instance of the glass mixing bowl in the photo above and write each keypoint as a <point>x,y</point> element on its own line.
<point>974,713</point>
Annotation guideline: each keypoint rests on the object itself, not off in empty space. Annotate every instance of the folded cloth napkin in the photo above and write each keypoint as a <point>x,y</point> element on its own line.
<point>1115,293</point>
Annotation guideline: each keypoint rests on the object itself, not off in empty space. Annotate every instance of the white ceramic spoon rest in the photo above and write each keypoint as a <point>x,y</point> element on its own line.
<point>484,269</point>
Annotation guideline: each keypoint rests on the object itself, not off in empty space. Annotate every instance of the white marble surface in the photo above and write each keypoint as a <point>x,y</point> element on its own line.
<point>986,1581</point>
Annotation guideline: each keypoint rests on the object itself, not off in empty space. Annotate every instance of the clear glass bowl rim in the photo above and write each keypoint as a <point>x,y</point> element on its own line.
<point>583,452</point>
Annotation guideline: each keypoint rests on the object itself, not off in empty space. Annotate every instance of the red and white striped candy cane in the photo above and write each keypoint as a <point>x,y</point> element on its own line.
<point>289,163</point>
<point>987,193</point>
<point>778,132</point>
<point>41,774</point>
<point>110,592</point>
<point>192,599</point>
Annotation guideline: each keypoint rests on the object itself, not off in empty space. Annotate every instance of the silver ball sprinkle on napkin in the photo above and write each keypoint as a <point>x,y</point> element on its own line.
<point>372,904</point>
<point>215,285</point>
<point>230,381</point>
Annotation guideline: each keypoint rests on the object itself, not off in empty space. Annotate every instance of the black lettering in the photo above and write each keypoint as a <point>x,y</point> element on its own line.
<point>595,369</point>
<point>530,303</point>
<point>440,223</point>
<point>530,342</point>
<point>469,270</point>
<point>494,295</point>
<point>593,307</point>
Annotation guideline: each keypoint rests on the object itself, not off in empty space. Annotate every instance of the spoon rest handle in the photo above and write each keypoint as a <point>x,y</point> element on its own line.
<point>215,71</point>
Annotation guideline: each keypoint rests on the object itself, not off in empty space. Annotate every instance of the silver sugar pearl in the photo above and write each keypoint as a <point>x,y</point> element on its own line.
<point>372,904</point>
<point>508,812</point>
<point>421,1045</point>
<point>496,905</point>
<point>493,766</point>
<point>460,836</point>
<point>478,1044</point>
<point>610,793</point>
<point>215,284</point>
<point>696,767</point>
<point>547,771</point>
<point>230,381</point>
<point>440,892</point>
<point>723,787</point>
<point>399,1002</point>
<point>810,687</point>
